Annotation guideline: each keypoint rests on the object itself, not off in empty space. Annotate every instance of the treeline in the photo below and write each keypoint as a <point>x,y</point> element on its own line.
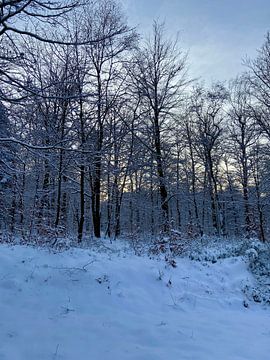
<point>104,133</point>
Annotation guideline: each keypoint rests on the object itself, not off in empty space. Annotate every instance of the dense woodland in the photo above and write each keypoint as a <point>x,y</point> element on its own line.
<point>103,132</point>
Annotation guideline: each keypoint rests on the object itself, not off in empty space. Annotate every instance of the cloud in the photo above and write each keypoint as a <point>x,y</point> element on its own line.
<point>218,34</point>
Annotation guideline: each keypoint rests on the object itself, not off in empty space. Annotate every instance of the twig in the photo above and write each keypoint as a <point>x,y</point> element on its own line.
<point>56,351</point>
<point>74,268</point>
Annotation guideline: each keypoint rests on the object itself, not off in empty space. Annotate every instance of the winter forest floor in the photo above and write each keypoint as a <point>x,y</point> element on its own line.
<point>107,303</point>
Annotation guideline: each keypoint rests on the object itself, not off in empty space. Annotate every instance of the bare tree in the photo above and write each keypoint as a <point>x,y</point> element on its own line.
<point>259,79</point>
<point>30,17</point>
<point>244,135</point>
<point>105,58</point>
<point>207,107</point>
<point>159,74</point>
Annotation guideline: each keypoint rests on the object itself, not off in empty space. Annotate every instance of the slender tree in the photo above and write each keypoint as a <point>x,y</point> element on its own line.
<point>159,74</point>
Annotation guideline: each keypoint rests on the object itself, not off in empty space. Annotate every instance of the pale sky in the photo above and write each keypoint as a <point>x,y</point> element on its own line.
<point>218,34</point>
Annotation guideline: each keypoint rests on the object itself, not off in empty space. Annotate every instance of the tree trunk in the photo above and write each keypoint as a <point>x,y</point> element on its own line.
<point>160,173</point>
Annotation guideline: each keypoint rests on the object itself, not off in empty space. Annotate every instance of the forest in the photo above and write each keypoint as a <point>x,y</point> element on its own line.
<point>103,132</point>
<point>134,196</point>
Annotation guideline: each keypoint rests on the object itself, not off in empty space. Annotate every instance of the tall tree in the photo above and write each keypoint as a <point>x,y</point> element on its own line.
<point>105,58</point>
<point>259,79</point>
<point>244,135</point>
<point>207,107</point>
<point>159,74</point>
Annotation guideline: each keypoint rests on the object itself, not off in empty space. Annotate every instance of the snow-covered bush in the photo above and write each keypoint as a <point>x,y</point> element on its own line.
<point>214,248</point>
<point>251,255</point>
<point>258,259</point>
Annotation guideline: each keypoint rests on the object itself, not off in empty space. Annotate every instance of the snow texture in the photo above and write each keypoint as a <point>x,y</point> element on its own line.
<point>82,304</point>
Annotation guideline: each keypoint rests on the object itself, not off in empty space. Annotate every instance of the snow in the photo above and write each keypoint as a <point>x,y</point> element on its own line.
<point>252,254</point>
<point>83,304</point>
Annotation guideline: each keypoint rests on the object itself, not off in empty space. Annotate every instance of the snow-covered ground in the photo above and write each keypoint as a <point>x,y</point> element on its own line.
<point>83,304</point>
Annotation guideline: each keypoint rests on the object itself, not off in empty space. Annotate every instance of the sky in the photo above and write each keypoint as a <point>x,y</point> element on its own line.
<point>217,34</point>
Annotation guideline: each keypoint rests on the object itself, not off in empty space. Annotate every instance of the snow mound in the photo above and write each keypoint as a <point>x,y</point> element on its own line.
<point>81,304</point>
